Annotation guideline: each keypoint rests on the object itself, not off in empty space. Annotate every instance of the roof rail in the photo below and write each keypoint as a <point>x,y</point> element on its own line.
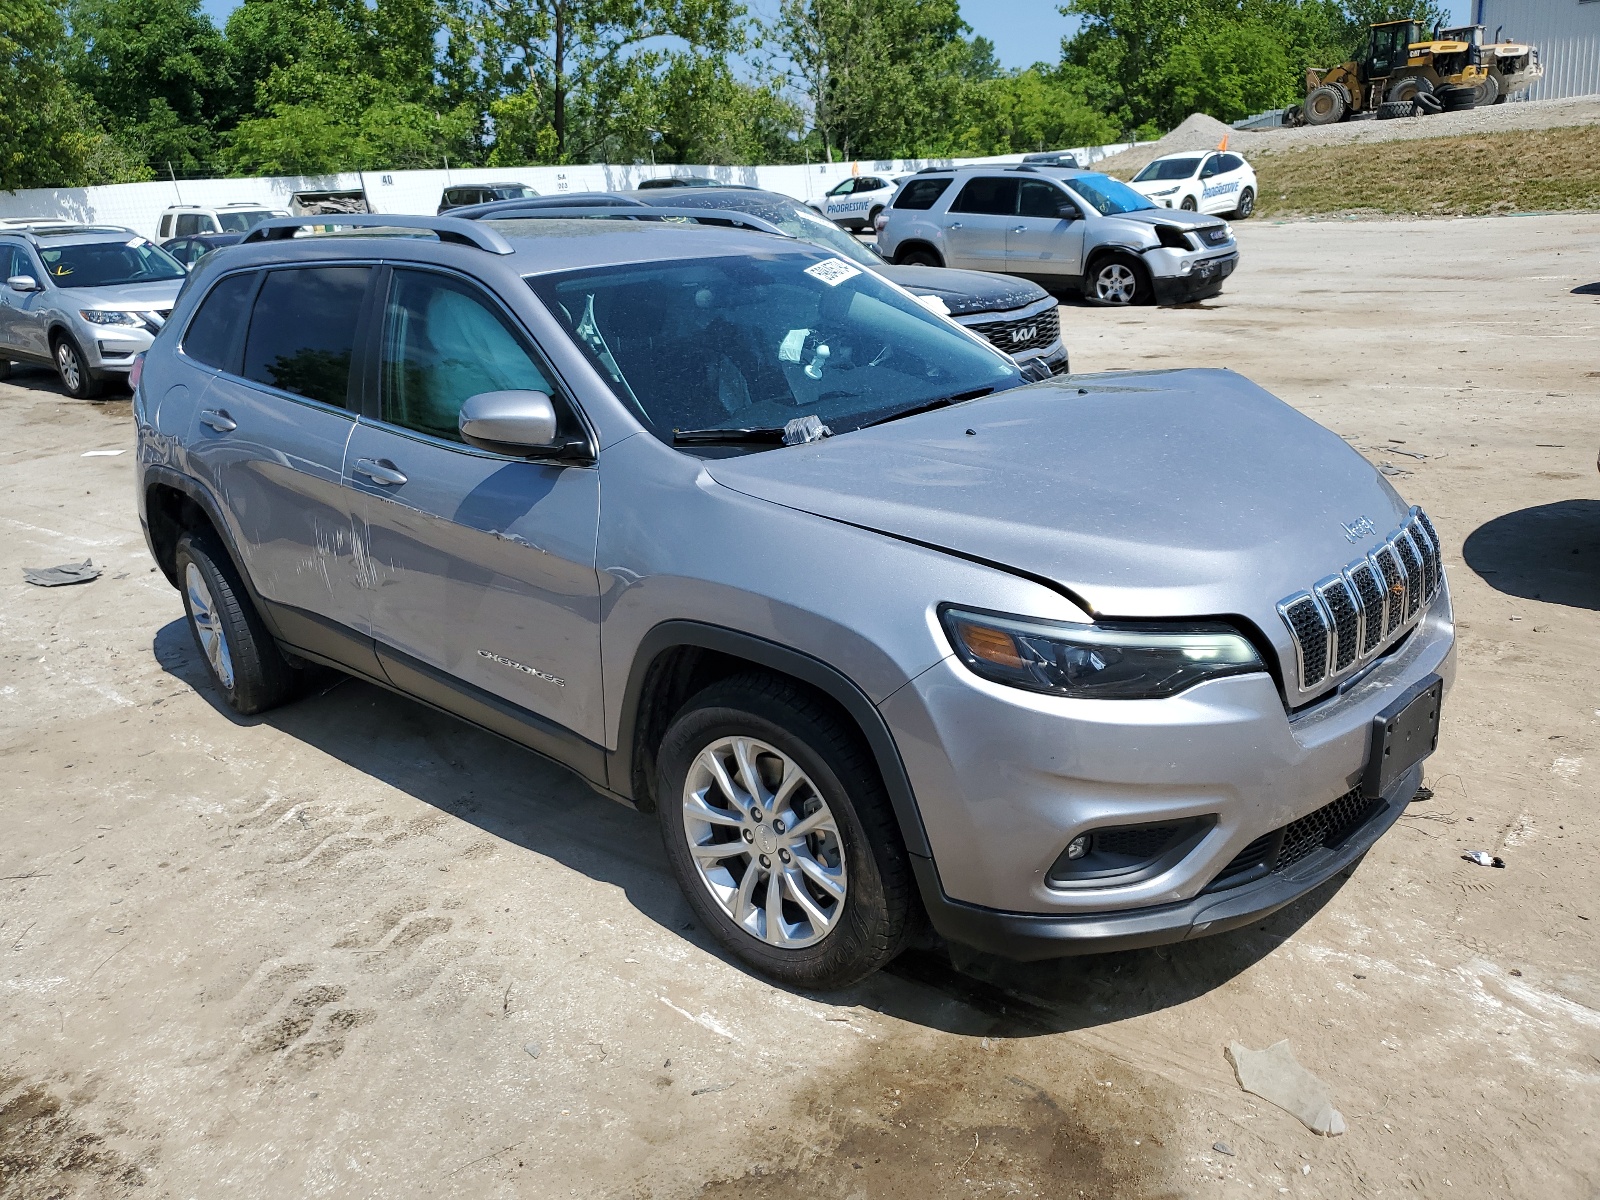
<point>704,216</point>
<point>1028,167</point>
<point>934,170</point>
<point>447,229</point>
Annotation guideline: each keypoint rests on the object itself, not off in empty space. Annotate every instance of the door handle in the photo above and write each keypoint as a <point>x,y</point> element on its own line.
<point>955,224</point>
<point>382,473</point>
<point>219,420</point>
<point>1019,229</point>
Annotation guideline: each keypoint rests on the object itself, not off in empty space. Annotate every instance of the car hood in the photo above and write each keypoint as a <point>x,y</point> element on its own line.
<point>1180,493</point>
<point>1167,216</point>
<point>135,297</point>
<point>966,292</point>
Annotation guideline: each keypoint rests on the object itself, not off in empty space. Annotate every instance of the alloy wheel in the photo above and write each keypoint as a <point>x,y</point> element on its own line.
<point>1114,283</point>
<point>764,842</point>
<point>207,624</point>
<point>67,362</point>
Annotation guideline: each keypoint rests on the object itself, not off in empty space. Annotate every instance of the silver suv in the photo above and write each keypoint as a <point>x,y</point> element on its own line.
<point>746,536</point>
<point>1062,228</point>
<point>86,299</point>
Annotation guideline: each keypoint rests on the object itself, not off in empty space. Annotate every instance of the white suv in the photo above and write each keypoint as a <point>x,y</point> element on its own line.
<point>188,220</point>
<point>857,201</point>
<point>1212,181</point>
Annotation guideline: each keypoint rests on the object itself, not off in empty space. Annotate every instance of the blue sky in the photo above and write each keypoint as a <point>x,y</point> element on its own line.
<point>1023,31</point>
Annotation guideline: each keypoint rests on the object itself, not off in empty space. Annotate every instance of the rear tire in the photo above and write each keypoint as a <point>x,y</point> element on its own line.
<point>1487,92</point>
<point>823,910</point>
<point>5,368</point>
<point>1117,281</point>
<point>245,663</point>
<point>1324,105</point>
<point>1247,205</point>
<point>73,369</point>
<point>918,256</point>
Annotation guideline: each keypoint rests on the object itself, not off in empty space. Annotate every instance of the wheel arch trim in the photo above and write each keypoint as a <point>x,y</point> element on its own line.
<point>675,634</point>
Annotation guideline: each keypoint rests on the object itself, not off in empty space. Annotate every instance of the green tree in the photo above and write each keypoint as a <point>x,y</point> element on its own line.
<point>1028,110</point>
<point>156,73</point>
<point>44,141</point>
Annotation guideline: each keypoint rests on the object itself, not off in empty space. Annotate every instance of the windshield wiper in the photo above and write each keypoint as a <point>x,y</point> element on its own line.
<point>942,402</point>
<point>768,436</point>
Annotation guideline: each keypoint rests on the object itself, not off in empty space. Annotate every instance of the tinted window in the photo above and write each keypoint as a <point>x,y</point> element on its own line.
<point>242,220</point>
<point>441,344</point>
<point>921,193</point>
<point>212,336</point>
<point>1040,199</point>
<point>987,194</point>
<point>188,224</point>
<point>730,342</point>
<point>303,331</point>
<point>1231,162</point>
<point>843,189</point>
<point>1212,167</point>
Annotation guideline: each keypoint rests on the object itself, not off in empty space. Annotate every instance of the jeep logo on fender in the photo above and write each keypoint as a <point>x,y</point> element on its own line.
<point>1361,527</point>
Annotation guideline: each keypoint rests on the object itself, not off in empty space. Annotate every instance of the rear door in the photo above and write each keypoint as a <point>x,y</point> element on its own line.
<point>268,440</point>
<point>1041,243</point>
<point>485,562</point>
<point>1219,186</point>
<point>979,220</point>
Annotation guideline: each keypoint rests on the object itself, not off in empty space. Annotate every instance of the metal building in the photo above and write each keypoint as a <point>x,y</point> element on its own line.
<point>1567,33</point>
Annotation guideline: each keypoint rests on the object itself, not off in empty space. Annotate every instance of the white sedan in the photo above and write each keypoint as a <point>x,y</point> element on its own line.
<point>856,201</point>
<point>1208,181</point>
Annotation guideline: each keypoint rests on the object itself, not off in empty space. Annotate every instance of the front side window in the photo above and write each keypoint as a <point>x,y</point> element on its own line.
<point>729,343</point>
<point>303,331</point>
<point>107,264</point>
<point>242,220</point>
<point>443,343</point>
<point>1164,169</point>
<point>1212,169</point>
<point>987,194</point>
<point>842,189</point>
<point>1107,196</point>
<point>514,192</point>
<point>1040,199</point>
<point>920,194</point>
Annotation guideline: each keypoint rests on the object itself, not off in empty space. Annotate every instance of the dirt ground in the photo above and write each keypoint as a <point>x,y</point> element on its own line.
<point>358,949</point>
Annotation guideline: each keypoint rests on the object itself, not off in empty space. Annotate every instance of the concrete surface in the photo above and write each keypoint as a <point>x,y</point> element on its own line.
<point>358,949</point>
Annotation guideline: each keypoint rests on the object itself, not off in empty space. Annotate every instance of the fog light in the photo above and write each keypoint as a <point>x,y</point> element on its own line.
<point>1078,847</point>
<point>1185,268</point>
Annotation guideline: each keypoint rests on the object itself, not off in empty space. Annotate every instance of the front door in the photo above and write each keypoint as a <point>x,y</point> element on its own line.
<point>834,202</point>
<point>1042,244</point>
<point>23,324</point>
<point>980,217</point>
<point>268,440</point>
<point>484,563</point>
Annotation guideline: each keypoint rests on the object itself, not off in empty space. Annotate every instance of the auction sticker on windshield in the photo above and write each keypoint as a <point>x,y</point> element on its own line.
<point>832,271</point>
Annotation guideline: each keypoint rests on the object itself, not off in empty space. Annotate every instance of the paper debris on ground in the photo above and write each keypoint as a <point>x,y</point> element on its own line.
<point>1275,1076</point>
<point>64,574</point>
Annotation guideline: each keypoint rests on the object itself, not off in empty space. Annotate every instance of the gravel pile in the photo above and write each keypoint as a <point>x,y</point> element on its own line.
<point>1200,132</point>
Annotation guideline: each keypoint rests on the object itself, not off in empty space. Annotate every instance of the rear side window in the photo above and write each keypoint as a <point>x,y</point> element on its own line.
<point>303,331</point>
<point>987,194</point>
<point>1231,162</point>
<point>442,343</point>
<point>188,225</point>
<point>213,334</point>
<point>920,194</point>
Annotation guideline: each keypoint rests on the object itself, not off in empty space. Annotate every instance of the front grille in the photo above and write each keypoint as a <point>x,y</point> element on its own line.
<point>1281,849</point>
<point>1022,333</point>
<point>1349,618</point>
<point>1214,235</point>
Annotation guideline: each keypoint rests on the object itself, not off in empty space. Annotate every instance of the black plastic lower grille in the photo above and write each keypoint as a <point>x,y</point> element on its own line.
<point>1281,849</point>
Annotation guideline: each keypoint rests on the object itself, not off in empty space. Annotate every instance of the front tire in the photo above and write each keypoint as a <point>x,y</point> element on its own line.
<point>781,835</point>
<point>1116,282</point>
<point>73,369</point>
<point>245,663</point>
<point>1190,204</point>
<point>1247,204</point>
<point>1324,105</point>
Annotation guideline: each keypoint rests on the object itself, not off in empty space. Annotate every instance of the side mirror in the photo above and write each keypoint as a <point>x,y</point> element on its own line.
<point>1070,211</point>
<point>509,422</point>
<point>23,283</point>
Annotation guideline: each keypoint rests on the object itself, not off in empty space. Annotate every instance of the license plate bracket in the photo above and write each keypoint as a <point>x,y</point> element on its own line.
<point>1403,734</point>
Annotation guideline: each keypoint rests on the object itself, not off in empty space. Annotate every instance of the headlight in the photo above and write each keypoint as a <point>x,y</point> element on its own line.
<point>1108,662</point>
<point>101,316</point>
<point>1164,192</point>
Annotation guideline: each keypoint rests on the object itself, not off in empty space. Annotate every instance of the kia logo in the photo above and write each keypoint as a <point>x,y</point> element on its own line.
<point>1026,334</point>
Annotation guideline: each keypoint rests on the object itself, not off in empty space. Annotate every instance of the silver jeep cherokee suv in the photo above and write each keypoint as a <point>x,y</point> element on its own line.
<point>1062,228</point>
<point>746,536</point>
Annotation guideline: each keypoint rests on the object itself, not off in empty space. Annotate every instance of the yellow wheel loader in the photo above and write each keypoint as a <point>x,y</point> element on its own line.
<point>1513,66</point>
<point>1401,72</point>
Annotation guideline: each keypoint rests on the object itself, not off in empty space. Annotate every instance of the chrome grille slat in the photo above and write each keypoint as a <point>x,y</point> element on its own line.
<point>1350,618</point>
